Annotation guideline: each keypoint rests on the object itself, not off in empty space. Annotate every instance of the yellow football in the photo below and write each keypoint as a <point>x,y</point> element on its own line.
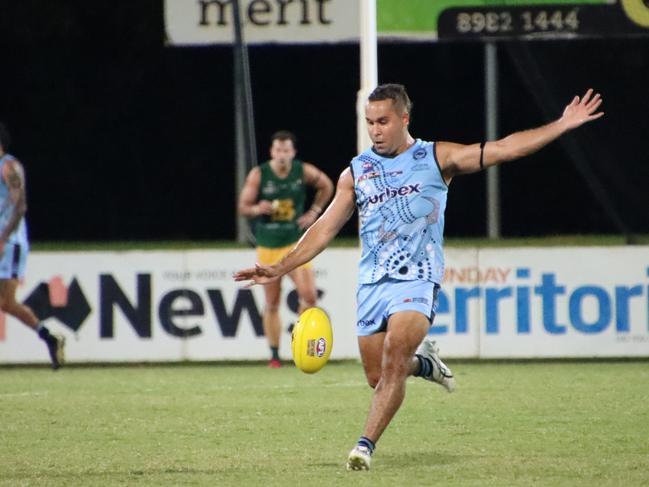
<point>312,340</point>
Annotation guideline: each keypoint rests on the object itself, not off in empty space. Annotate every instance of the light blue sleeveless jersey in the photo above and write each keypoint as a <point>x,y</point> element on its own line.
<point>401,203</point>
<point>19,236</point>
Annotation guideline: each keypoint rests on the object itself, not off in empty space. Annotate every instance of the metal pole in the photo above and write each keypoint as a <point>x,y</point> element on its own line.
<point>369,75</point>
<point>244,122</point>
<point>491,128</point>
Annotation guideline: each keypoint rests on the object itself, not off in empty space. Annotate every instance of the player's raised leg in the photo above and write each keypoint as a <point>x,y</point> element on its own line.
<point>431,366</point>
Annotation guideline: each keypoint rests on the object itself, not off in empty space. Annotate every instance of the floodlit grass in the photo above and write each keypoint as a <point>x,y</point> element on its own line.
<point>509,424</point>
<point>548,241</point>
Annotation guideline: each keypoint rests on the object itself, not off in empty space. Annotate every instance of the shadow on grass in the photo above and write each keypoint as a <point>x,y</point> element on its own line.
<point>340,464</point>
<point>418,458</point>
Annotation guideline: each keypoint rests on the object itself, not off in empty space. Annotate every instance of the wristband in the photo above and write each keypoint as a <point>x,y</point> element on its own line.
<point>482,154</point>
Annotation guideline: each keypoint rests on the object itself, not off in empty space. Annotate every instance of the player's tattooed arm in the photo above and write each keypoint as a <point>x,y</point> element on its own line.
<point>14,178</point>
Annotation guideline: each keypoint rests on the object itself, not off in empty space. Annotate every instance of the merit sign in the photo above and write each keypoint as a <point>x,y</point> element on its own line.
<point>192,22</point>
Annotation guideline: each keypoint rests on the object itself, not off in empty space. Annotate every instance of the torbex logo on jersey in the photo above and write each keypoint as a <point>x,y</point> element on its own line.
<point>394,192</point>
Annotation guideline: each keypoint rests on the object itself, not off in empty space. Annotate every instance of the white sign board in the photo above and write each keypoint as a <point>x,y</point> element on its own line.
<point>166,306</point>
<point>545,302</point>
<point>193,22</point>
<point>184,305</point>
<point>566,303</point>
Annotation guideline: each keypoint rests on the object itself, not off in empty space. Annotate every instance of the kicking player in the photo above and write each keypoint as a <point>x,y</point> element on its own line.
<point>399,186</point>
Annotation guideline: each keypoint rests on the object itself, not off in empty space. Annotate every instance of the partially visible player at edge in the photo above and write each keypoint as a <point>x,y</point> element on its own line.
<point>274,195</point>
<point>14,247</point>
<point>399,186</point>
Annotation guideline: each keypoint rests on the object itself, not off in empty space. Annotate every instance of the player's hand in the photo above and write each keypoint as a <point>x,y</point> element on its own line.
<point>306,220</point>
<point>264,207</point>
<point>582,110</point>
<point>2,247</point>
<point>260,274</point>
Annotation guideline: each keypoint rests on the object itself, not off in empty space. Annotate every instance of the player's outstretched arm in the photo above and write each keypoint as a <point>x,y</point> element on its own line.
<point>457,159</point>
<point>314,240</point>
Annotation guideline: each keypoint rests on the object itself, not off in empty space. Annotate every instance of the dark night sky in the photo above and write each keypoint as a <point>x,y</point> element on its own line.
<point>123,138</point>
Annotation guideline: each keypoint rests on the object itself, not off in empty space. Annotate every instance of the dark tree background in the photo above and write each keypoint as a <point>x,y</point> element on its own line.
<point>124,138</point>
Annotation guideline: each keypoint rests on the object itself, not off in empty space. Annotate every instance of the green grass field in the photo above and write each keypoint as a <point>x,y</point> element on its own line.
<point>509,424</point>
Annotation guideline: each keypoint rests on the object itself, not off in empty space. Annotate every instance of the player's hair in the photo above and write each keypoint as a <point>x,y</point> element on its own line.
<point>284,135</point>
<point>395,92</point>
<point>5,139</point>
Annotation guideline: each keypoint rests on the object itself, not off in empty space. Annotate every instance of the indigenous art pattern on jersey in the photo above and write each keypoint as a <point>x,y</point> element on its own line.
<point>401,203</point>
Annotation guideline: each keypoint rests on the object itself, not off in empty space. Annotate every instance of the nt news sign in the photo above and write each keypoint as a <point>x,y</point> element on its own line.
<point>184,305</point>
<point>192,22</point>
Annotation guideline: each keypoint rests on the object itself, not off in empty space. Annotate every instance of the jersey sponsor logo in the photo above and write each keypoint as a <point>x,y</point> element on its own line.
<point>376,174</point>
<point>365,323</point>
<point>283,210</point>
<point>419,154</point>
<point>416,300</point>
<point>369,175</point>
<point>269,188</point>
<point>390,193</point>
<point>393,177</point>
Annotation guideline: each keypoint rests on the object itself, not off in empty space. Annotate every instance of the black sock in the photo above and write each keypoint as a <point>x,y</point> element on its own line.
<point>274,352</point>
<point>425,367</point>
<point>44,334</point>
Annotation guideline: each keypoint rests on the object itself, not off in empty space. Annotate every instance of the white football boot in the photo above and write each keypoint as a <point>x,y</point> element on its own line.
<point>441,373</point>
<point>359,458</point>
<point>56,347</point>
